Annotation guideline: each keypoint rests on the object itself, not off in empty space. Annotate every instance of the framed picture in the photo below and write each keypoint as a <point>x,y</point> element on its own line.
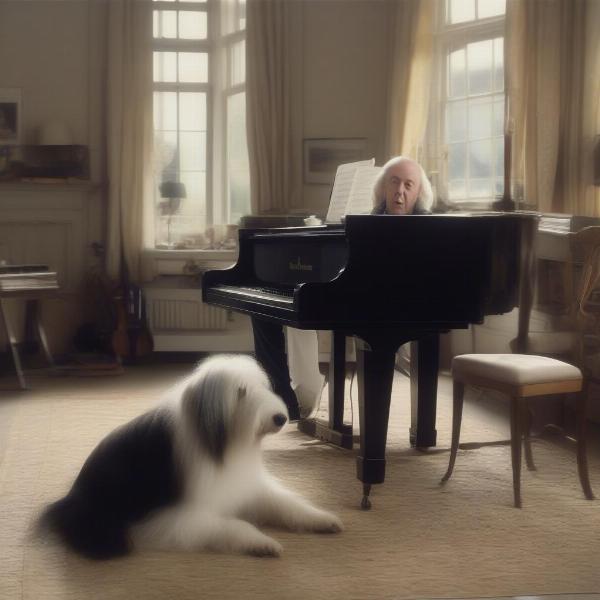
<point>10,116</point>
<point>322,156</point>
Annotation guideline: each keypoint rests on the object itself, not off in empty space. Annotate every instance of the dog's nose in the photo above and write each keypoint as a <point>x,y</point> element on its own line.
<point>279,419</point>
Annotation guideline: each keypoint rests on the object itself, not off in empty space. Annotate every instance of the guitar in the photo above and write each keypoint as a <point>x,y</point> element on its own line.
<point>131,337</point>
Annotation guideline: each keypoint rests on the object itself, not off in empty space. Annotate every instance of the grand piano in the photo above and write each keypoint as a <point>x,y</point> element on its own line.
<point>386,280</point>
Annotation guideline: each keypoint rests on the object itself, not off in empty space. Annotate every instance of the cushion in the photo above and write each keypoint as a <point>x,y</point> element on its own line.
<point>514,369</point>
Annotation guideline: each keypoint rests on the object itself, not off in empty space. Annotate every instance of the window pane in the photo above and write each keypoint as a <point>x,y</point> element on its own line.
<point>480,188</point>
<point>499,186</point>
<point>165,110</point>
<point>499,64</point>
<point>165,66</point>
<point>480,118</point>
<point>498,126</point>
<point>479,61</point>
<point>192,111</point>
<point>238,170</point>
<point>457,161</point>
<point>195,184</point>
<point>193,67</point>
<point>457,74</point>
<point>490,8</point>
<point>499,162</point>
<point>165,156</point>
<point>480,159</point>
<point>237,65</point>
<point>456,121</point>
<point>461,11</point>
<point>192,150</point>
<point>165,24</point>
<point>242,14</point>
<point>457,189</point>
<point>192,25</point>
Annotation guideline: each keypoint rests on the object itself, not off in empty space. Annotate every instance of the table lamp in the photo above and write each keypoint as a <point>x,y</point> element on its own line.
<point>172,192</point>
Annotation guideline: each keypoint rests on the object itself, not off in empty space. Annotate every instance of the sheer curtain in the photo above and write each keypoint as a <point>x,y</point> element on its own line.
<point>129,132</point>
<point>269,103</point>
<point>411,49</point>
<point>553,73</point>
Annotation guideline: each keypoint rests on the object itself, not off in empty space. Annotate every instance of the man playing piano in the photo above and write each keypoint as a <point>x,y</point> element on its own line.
<point>402,188</point>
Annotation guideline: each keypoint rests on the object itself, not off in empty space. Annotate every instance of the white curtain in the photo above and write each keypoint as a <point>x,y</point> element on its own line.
<point>411,47</point>
<point>553,74</point>
<point>268,103</point>
<point>129,132</point>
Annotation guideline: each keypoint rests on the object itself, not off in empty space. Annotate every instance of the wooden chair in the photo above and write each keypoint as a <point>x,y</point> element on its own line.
<point>520,376</point>
<point>576,333</point>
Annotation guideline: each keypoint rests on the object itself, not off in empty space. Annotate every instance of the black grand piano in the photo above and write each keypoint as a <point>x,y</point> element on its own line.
<point>386,280</point>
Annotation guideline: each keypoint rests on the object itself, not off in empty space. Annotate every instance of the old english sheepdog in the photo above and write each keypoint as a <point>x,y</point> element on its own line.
<point>188,475</point>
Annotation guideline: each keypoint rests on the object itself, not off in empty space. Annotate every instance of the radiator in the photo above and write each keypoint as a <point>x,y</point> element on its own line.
<point>180,322</point>
<point>179,314</point>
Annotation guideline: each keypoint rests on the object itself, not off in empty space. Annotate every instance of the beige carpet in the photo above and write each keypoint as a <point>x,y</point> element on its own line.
<point>420,540</point>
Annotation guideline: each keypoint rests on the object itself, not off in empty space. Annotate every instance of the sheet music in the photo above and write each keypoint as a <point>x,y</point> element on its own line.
<point>342,185</point>
<point>360,200</point>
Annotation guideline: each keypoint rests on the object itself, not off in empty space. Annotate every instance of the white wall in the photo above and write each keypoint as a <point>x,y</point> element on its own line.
<point>344,77</point>
<point>53,51</point>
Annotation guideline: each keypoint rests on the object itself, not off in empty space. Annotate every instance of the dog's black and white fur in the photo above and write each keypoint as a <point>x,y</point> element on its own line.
<point>188,475</point>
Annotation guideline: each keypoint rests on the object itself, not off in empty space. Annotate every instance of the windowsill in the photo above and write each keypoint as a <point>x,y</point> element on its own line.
<point>191,253</point>
<point>157,262</point>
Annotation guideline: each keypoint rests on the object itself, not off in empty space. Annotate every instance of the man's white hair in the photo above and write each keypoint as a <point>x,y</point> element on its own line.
<point>425,198</point>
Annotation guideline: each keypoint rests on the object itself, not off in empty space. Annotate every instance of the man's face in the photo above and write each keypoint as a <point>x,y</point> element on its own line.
<point>401,187</point>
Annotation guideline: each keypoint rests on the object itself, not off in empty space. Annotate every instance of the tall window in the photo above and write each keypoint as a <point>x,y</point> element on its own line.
<point>469,116</point>
<point>201,164</point>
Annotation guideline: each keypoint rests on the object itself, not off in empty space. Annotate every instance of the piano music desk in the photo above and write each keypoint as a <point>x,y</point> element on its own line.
<point>33,324</point>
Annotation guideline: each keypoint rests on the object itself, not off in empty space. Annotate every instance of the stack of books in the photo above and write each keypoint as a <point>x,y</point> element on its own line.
<point>14,278</point>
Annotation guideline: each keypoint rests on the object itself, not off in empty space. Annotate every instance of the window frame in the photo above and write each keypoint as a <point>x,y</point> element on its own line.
<point>218,46</point>
<point>449,37</point>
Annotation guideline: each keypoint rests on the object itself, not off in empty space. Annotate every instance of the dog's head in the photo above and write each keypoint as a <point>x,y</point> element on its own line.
<point>228,401</point>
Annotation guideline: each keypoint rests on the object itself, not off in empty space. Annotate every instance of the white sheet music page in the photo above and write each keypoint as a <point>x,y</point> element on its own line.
<point>360,200</point>
<point>342,185</point>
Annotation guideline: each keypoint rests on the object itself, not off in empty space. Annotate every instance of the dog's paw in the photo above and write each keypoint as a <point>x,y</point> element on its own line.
<point>327,523</point>
<point>266,546</point>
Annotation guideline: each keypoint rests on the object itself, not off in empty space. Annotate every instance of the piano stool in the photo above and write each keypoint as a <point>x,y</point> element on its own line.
<point>520,376</point>
<point>33,325</point>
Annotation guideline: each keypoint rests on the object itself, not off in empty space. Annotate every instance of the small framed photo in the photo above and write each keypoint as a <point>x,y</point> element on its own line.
<point>322,156</point>
<point>10,116</point>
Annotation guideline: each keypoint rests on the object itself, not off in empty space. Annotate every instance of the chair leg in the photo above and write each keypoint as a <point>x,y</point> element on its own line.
<point>458,391</point>
<point>527,420</point>
<point>515,445</point>
<point>582,465</point>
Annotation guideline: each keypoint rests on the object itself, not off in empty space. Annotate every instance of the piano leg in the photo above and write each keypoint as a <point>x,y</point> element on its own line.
<point>424,364</point>
<point>375,371</point>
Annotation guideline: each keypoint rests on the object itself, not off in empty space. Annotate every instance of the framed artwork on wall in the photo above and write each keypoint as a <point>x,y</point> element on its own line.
<point>322,156</point>
<point>10,116</point>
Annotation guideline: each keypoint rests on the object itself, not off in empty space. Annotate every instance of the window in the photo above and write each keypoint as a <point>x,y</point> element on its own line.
<point>199,121</point>
<point>467,124</point>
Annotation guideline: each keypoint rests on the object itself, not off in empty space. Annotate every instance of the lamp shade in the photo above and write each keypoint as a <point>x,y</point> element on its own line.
<point>172,189</point>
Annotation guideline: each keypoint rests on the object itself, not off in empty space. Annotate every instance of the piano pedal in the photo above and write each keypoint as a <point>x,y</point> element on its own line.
<point>365,503</point>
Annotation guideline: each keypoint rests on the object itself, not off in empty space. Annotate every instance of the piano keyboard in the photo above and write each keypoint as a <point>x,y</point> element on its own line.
<point>273,296</point>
